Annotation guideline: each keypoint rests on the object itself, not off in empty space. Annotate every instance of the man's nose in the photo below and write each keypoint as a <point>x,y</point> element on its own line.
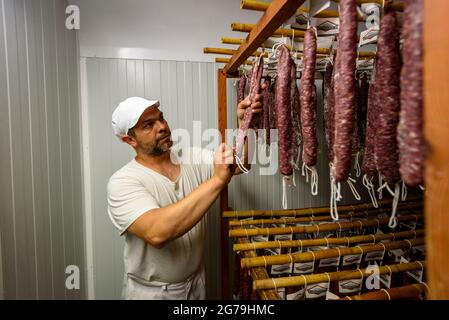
<point>162,126</point>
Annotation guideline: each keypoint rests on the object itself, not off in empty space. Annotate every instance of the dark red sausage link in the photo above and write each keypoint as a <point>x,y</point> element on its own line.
<point>308,99</point>
<point>388,91</point>
<point>282,96</point>
<point>345,67</point>
<point>369,162</point>
<point>362,106</point>
<point>266,109</point>
<point>241,84</point>
<point>295,110</point>
<point>410,130</point>
<point>248,119</point>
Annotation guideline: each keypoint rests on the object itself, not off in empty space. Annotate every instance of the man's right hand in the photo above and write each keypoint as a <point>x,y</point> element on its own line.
<point>224,164</point>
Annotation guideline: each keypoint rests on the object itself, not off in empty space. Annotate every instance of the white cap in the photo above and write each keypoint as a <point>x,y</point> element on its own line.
<point>128,112</point>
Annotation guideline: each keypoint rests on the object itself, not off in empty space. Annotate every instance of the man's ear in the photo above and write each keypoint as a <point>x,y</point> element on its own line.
<point>130,140</point>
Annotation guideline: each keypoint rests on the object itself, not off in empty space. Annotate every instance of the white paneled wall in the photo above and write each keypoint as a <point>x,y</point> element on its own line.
<point>41,221</point>
<point>187,92</point>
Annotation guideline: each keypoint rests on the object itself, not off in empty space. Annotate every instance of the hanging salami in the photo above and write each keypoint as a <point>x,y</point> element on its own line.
<point>345,67</point>
<point>410,130</point>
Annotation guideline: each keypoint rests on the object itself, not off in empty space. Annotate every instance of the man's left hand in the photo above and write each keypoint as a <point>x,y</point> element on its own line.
<point>257,106</point>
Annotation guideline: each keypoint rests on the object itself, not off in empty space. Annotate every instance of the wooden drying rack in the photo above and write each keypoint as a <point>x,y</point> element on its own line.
<point>436,119</point>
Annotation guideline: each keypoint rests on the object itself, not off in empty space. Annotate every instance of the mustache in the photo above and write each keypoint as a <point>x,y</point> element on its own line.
<point>167,135</point>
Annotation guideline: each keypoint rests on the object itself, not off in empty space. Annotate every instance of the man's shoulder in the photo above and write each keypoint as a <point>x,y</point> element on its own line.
<point>127,172</point>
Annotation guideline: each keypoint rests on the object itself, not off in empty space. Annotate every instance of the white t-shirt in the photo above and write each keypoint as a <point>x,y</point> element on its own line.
<point>133,190</point>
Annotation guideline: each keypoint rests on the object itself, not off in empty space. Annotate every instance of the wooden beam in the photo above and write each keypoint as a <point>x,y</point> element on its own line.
<point>248,27</point>
<point>436,129</point>
<point>278,12</point>
<point>226,60</point>
<point>231,52</point>
<point>224,245</point>
<point>258,273</point>
<point>397,6</point>
<point>262,6</point>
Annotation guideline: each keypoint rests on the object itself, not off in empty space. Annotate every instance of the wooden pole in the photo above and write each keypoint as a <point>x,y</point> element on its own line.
<point>262,6</point>
<point>417,291</point>
<point>259,274</point>
<point>278,12</point>
<point>436,128</point>
<point>248,27</point>
<point>261,261</point>
<point>397,6</point>
<point>346,241</point>
<point>231,52</point>
<point>222,124</point>
<point>226,60</point>
<point>307,211</point>
<point>293,281</point>
<point>308,219</point>
<point>318,227</point>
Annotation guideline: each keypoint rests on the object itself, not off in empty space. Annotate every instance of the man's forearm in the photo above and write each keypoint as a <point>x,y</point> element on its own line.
<point>168,223</point>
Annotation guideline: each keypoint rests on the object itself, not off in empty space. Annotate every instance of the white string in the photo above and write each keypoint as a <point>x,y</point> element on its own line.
<point>285,181</point>
<point>305,280</point>
<point>358,171</point>
<point>409,244</point>
<point>314,181</point>
<point>422,187</point>
<point>385,249</point>
<point>368,183</point>
<point>339,257</point>
<point>351,183</point>
<point>265,260</point>
<point>304,172</point>
<point>294,182</point>
<point>389,297</point>
<point>404,191</point>
<point>328,280</point>
<point>380,184</point>
<point>274,283</point>
<point>385,186</point>
<point>335,196</point>
<point>240,165</point>
<point>393,220</point>
<point>422,269</point>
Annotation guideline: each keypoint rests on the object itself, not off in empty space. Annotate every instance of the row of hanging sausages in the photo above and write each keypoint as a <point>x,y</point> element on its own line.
<point>384,115</point>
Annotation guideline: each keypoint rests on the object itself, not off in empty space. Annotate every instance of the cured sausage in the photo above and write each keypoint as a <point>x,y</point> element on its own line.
<point>241,84</point>
<point>410,130</point>
<point>345,67</point>
<point>296,121</point>
<point>329,109</point>
<point>248,120</point>
<point>388,89</point>
<point>308,100</point>
<point>282,96</point>
<point>327,79</point>
<point>369,163</point>
<point>266,109</point>
<point>362,106</point>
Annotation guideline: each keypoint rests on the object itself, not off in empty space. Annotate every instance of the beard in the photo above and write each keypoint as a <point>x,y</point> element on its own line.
<point>158,148</point>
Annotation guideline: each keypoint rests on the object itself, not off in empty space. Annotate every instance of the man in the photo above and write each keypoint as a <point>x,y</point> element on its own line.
<point>158,203</point>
